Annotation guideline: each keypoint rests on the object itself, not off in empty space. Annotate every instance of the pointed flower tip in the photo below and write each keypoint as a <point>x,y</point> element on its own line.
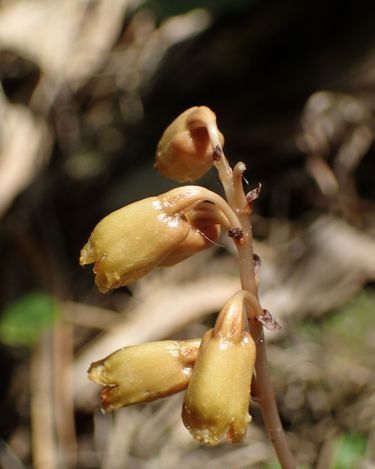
<point>96,372</point>
<point>86,255</point>
<point>230,321</point>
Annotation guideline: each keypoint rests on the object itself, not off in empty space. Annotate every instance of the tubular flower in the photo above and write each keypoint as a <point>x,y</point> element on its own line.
<point>186,148</point>
<point>131,241</point>
<point>217,399</point>
<point>142,373</point>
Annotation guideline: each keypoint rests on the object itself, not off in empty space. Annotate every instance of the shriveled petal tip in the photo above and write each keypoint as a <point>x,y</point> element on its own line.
<point>268,321</point>
<point>107,398</point>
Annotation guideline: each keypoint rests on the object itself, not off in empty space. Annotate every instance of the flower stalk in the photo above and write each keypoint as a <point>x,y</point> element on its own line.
<point>262,386</point>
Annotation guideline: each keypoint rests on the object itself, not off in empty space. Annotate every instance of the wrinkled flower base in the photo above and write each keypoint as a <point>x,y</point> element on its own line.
<point>212,435</point>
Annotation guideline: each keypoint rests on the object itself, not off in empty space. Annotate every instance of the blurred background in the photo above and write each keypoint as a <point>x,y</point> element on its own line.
<point>87,89</point>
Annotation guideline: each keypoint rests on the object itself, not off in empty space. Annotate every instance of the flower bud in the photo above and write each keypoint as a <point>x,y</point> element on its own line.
<point>185,150</point>
<point>142,373</point>
<point>217,400</point>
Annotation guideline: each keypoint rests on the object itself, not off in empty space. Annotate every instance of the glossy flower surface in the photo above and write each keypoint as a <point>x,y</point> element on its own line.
<point>217,400</point>
<point>131,241</point>
<point>142,373</point>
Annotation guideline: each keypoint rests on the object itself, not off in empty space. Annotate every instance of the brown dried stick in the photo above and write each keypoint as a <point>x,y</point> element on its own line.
<point>42,435</point>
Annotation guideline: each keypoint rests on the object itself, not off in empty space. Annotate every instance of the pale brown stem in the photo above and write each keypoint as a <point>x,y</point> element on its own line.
<point>252,303</point>
<point>226,177</point>
<point>232,183</point>
<point>63,396</point>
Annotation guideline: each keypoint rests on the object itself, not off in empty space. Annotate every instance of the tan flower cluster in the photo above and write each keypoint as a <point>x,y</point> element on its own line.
<point>162,231</point>
<point>216,371</point>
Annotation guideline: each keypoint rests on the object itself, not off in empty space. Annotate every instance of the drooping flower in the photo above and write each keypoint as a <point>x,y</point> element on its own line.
<point>133,240</point>
<point>217,399</point>
<point>186,149</point>
<point>142,373</point>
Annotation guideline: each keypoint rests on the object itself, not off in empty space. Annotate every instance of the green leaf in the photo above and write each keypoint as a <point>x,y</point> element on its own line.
<point>350,450</point>
<point>25,319</point>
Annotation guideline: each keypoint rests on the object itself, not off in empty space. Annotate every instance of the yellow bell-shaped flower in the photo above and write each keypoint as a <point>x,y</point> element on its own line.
<point>131,241</point>
<point>186,149</point>
<point>142,373</point>
<point>217,399</point>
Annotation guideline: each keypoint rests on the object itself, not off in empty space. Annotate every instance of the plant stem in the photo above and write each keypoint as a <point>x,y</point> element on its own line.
<point>232,183</point>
